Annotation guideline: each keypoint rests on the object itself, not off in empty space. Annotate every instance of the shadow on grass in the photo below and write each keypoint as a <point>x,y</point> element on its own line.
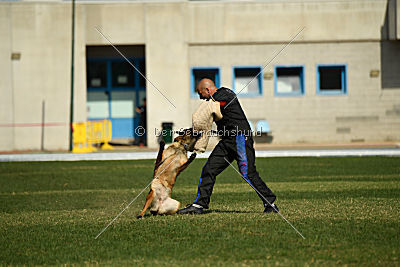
<point>205,212</point>
<point>228,211</point>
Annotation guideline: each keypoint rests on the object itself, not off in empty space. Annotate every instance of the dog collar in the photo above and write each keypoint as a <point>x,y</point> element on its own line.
<point>184,145</point>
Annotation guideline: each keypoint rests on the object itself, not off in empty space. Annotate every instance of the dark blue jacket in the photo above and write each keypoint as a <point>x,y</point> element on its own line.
<point>234,119</point>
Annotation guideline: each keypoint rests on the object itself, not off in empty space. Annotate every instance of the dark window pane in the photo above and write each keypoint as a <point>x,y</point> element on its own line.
<point>289,71</point>
<point>96,74</point>
<point>289,80</point>
<point>245,81</point>
<point>330,78</point>
<point>122,74</point>
<point>200,74</point>
<point>247,72</point>
<point>142,69</point>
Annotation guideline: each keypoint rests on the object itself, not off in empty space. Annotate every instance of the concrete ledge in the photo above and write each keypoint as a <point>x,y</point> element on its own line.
<point>153,155</point>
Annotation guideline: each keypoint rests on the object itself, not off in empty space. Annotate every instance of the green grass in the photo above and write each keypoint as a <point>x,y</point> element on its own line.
<point>347,208</point>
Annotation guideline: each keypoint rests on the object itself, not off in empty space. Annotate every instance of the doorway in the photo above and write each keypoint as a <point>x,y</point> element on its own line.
<point>115,88</point>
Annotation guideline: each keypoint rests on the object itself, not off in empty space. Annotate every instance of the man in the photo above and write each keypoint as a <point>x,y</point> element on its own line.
<point>236,144</point>
<point>142,123</point>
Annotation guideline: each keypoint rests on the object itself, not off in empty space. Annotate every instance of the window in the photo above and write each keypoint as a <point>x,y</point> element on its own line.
<point>122,74</point>
<point>96,74</point>
<point>246,81</point>
<point>198,73</point>
<point>142,69</point>
<point>97,105</point>
<point>289,80</point>
<point>331,79</point>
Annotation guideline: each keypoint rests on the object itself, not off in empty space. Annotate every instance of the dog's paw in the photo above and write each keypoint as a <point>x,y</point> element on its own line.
<point>139,217</point>
<point>192,157</point>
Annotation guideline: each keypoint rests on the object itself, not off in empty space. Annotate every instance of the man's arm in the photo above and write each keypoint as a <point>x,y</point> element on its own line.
<point>224,97</point>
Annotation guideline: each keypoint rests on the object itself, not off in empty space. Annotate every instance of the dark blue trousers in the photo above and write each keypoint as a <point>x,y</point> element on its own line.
<point>241,149</point>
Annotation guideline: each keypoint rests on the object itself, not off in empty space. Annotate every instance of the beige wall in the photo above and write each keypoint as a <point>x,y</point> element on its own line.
<point>6,86</point>
<point>398,18</point>
<point>364,113</point>
<point>167,65</point>
<point>41,74</point>
<point>184,34</point>
<point>278,21</point>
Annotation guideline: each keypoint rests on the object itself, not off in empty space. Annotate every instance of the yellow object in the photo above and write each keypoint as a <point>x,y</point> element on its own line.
<point>80,138</point>
<point>87,134</point>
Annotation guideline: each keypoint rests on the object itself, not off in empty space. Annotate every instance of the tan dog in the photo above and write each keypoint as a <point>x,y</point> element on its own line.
<point>169,164</point>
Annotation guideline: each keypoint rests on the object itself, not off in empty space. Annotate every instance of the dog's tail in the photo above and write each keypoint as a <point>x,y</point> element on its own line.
<point>159,157</point>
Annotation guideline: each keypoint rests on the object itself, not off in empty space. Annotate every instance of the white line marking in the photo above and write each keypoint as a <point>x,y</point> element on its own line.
<point>381,152</point>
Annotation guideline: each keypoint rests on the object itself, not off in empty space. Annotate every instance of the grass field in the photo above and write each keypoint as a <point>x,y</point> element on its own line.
<point>347,208</point>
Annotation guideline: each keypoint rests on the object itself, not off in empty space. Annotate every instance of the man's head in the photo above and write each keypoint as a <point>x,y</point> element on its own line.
<point>206,88</point>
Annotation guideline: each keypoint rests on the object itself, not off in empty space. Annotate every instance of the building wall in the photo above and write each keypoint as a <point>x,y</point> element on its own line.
<point>361,114</point>
<point>6,86</point>
<point>40,34</point>
<point>398,18</point>
<point>184,34</point>
<point>277,22</point>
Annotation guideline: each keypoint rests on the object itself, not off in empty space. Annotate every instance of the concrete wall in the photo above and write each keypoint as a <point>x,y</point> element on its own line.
<point>398,18</point>
<point>41,74</point>
<point>362,114</point>
<point>184,34</point>
<point>276,22</point>
<point>167,65</point>
<point>6,85</point>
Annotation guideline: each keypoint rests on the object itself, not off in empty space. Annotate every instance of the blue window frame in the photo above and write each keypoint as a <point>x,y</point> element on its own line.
<point>247,80</point>
<point>332,79</point>
<point>114,90</point>
<point>198,73</point>
<point>289,80</point>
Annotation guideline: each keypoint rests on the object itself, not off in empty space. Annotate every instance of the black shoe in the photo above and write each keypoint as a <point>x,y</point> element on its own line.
<point>190,209</point>
<point>271,208</point>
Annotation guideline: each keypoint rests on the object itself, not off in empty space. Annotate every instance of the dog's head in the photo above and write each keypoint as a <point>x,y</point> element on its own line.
<point>188,137</point>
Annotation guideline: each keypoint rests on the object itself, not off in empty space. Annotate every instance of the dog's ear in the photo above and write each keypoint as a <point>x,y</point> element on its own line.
<point>188,132</point>
<point>178,138</point>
